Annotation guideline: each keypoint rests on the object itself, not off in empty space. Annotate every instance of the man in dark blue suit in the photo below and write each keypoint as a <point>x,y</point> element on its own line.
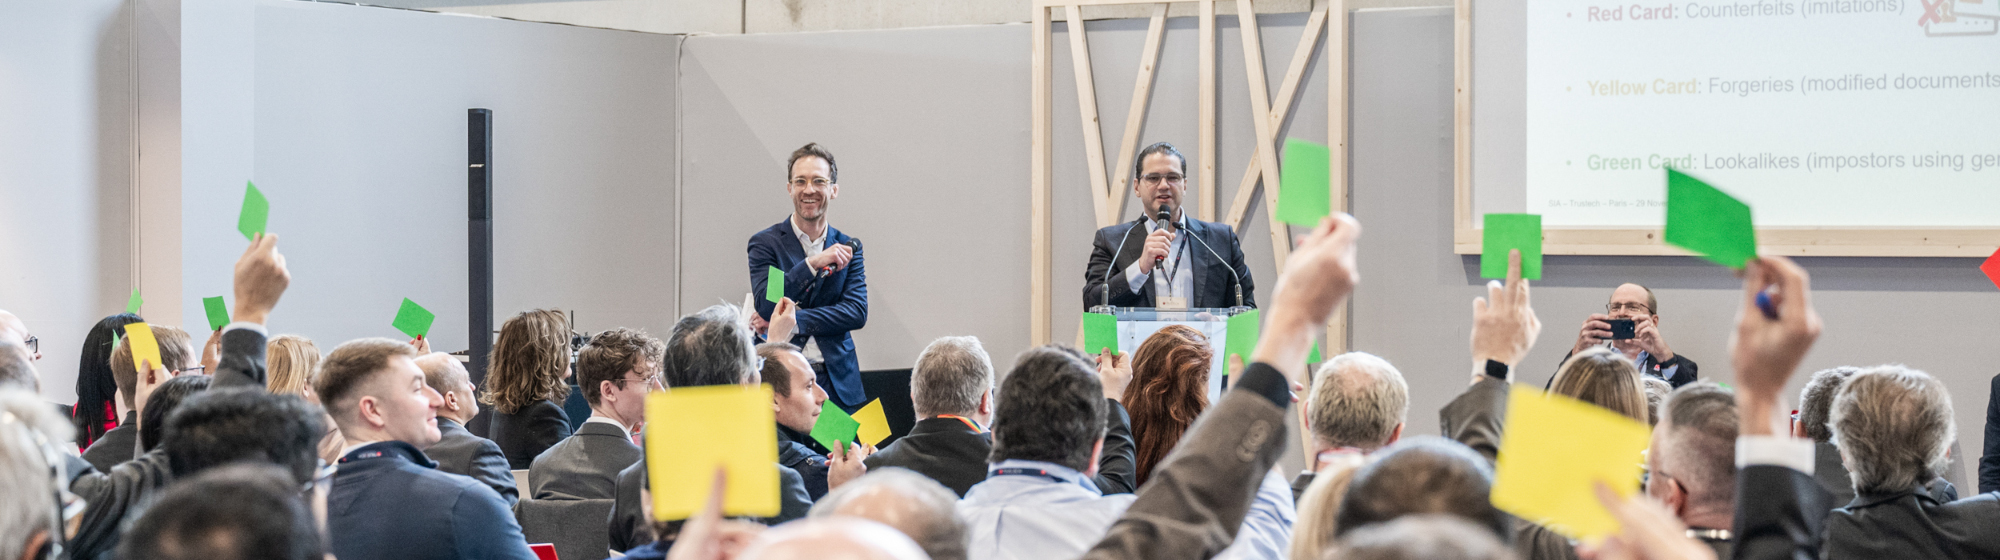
<point>823,275</point>
<point>388,501</point>
<point>1199,264</point>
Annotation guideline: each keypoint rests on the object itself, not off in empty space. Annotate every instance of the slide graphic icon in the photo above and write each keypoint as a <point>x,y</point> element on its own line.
<point>1947,18</point>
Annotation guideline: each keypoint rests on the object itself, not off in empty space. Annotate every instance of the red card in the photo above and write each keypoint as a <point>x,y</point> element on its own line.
<point>544,551</point>
<point>1992,268</point>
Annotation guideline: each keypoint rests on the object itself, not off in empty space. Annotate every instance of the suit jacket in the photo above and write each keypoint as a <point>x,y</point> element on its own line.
<point>795,453</point>
<point>630,529</point>
<point>1212,285</point>
<point>1478,419</point>
<point>528,432</point>
<point>1912,523</point>
<point>945,449</point>
<point>460,452</point>
<point>118,445</point>
<point>388,501</point>
<point>1989,460</point>
<point>830,308</point>
<point>584,466</point>
<point>1118,464</point>
<point>1780,513</point>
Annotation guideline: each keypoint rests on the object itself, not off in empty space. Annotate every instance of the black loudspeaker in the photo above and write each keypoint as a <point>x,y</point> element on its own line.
<point>479,238</point>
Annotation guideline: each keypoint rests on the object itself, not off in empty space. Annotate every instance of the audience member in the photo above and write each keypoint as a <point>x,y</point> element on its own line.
<point>1423,537</point>
<point>229,424</point>
<point>1989,458</point>
<point>838,538</point>
<point>292,360</point>
<point>1357,405</point>
<point>951,389</point>
<point>120,444</point>
<point>1604,378</point>
<point>32,515</point>
<point>17,370</point>
<point>796,401</point>
<point>161,405</point>
<point>616,371</point>
<point>1894,426</point>
<point>525,385</point>
<point>1815,407</point>
<point>457,451</point>
<point>96,409</point>
<point>1647,348</point>
<point>1168,389</point>
<point>917,506</point>
<point>1313,537</point>
<point>1692,464</point>
<point>1656,393</point>
<point>1422,475</point>
<point>237,512</point>
<point>14,329</point>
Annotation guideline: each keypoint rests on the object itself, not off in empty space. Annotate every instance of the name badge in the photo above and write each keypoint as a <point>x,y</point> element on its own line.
<point>1171,303</point>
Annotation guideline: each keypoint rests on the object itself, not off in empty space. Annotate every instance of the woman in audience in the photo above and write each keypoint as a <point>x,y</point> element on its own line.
<point>1604,378</point>
<point>1169,389</point>
<point>96,410</point>
<point>1319,509</point>
<point>293,363</point>
<point>1656,393</point>
<point>524,383</point>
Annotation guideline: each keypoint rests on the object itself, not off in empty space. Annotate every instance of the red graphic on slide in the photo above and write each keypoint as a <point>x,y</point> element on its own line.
<point>1945,18</point>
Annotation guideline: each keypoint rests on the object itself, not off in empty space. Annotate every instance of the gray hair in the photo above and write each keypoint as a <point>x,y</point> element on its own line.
<point>1358,399</point>
<point>932,508</point>
<point>1433,536</point>
<point>1892,424</point>
<point>1816,400</point>
<point>1656,393</point>
<point>951,374</point>
<point>1700,444</point>
<point>17,366</point>
<point>710,347</point>
<point>28,427</point>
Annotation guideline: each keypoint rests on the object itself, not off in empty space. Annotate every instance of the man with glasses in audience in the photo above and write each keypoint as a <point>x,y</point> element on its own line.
<point>1646,347</point>
<point>12,324</point>
<point>1187,263</point>
<point>615,371</point>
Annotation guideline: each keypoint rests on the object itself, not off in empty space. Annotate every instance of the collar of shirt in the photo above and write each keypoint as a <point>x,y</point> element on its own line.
<point>1056,474</point>
<point>344,451</point>
<point>812,246</point>
<point>622,428</point>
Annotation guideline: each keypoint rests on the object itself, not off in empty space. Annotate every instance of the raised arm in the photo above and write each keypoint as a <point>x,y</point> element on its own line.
<point>260,279</point>
<point>1778,507</point>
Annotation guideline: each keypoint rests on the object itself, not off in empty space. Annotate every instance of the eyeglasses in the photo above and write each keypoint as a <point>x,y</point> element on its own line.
<point>650,380</point>
<point>196,370</point>
<point>1633,307</point>
<point>1155,179</point>
<point>801,182</point>
<point>34,344</point>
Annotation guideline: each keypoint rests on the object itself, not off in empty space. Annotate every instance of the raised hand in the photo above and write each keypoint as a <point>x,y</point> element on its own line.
<point>843,465</point>
<point>707,536</point>
<point>1595,331</point>
<point>1765,349</point>
<point>836,255</point>
<point>261,278</point>
<point>784,321</point>
<point>1504,326</point>
<point>1114,372</point>
<point>1647,532</point>
<point>1157,245</point>
<point>1317,278</point>
<point>211,353</point>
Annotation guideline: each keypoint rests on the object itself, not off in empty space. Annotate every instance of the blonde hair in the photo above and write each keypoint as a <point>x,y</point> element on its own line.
<point>293,360</point>
<point>530,360</point>
<point>1314,536</point>
<point>1604,378</point>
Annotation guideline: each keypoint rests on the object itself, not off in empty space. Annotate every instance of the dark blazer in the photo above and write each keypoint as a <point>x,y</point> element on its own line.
<point>1780,513</point>
<point>583,466</point>
<point>1118,464</point>
<point>1213,285</point>
<point>1912,523</point>
<point>630,529</point>
<point>795,453</point>
<point>528,432</point>
<point>830,308</point>
<point>944,449</point>
<point>118,445</point>
<point>1989,460</point>
<point>388,502</point>
<point>460,452</point>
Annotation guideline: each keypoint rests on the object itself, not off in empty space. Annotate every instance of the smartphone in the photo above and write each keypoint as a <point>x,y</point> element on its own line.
<point>1622,328</point>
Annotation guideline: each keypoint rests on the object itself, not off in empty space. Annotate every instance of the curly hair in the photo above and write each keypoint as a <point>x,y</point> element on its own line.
<point>612,353</point>
<point>530,361</point>
<point>293,361</point>
<point>1169,389</point>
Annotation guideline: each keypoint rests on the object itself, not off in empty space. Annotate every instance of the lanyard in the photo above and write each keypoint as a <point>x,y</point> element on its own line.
<point>1175,265</point>
<point>968,422</point>
<point>1026,472</point>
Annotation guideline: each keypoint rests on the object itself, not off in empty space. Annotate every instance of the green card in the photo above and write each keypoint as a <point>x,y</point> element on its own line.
<point>256,212</point>
<point>774,285</point>
<point>1241,339</point>
<point>1705,220</point>
<point>1100,332</point>
<point>413,319</point>
<point>1313,358</point>
<point>218,313</point>
<point>132,304</point>
<point>1303,188</point>
<point>1512,231</point>
<point>834,427</point>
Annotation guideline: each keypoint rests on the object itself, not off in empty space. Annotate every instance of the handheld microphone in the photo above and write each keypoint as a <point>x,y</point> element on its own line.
<point>1161,219</point>
<point>853,243</point>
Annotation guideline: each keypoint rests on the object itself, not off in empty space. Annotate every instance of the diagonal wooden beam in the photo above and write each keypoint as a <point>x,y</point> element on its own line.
<point>1205,113</point>
<point>1260,111</point>
<point>1086,103</point>
<point>1287,92</point>
<point>1135,118</point>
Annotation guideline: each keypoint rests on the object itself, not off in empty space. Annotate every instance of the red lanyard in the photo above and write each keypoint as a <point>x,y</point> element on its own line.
<point>968,422</point>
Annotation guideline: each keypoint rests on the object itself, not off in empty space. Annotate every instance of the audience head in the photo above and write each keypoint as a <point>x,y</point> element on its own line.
<point>237,512</point>
<point>222,426</point>
<point>444,374</point>
<point>1893,426</point>
<point>1313,534</point>
<point>1169,389</point>
<point>1816,403</point>
<point>1603,377</point>
<point>30,471</point>
<point>1419,475</point>
<point>834,538</point>
<point>291,361</point>
<point>710,347</point>
<point>1358,401</point>
<point>1051,409</point>
<point>1422,537</point>
<point>374,390</point>
<point>95,385</point>
<point>617,369</point>
<point>1693,457</point>
<point>176,354</point>
<point>12,328</point>
<point>530,362</point>
<point>813,180</point>
<point>921,508</point>
<point>17,369</point>
<point>953,376</point>
<point>165,399</point>
<point>795,393</point>
<point>1656,393</point>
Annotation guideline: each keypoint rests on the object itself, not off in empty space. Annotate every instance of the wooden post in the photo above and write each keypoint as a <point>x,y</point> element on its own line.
<point>1041,178</point>
<point>1205,113</point>
<point>1260,110</point>
<point>1135,118</point>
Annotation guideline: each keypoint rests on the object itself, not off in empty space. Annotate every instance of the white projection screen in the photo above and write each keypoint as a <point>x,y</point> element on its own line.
<point>1850,127</point>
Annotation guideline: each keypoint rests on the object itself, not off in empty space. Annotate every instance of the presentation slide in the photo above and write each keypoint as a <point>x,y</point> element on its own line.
<point>1818,113</point>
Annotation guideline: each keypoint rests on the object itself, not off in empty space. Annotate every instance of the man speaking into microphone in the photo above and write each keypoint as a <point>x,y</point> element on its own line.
<point>823,275</point>
<point>1166,259</point>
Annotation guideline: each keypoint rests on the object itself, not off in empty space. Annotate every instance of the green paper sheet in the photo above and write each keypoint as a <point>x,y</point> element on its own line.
<point>1703,219</point>
<point>834,428</point>
<point>256,212</point>
<point>1100,332</point>
<point>1511,231</point>
<point>1241,338</point>
<point>1303,188</point>
<point>413,319</point>
<point>774,285</point>
<point>1313,358</point>
<point>132,304</point>
<point>218,312</point>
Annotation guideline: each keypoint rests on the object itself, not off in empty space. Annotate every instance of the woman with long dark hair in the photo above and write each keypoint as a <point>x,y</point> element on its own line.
<point>525,384</point>
<point>96,408</point>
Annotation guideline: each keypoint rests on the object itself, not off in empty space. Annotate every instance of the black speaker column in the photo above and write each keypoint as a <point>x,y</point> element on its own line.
<point>479,254</point>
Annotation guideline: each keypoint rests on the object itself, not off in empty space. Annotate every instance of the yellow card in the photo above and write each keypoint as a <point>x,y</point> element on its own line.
<point>691,431</point>
<point>874,423</point>
<point>144,348</point>
<point>1555,450</point>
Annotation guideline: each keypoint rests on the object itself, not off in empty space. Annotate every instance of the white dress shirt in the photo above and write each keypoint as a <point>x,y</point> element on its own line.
<point>1062,514</point>
<point>1177,278</point>
<point>812,247</point>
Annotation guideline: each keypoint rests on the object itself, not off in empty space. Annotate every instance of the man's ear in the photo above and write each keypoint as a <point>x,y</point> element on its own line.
<point>1096,454</point>
<point>34,545</point>
<point>369,411</point>
<point>1394,435</point>
<point>985,407</point>
<point>1676,498</point>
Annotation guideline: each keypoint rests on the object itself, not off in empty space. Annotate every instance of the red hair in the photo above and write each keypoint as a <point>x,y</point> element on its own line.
<point>1169,389</point>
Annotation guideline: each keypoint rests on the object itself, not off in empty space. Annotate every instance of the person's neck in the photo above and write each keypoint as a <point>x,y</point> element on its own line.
<point>1712,518</point>
<point>596,412</point>
<point>815,229</point>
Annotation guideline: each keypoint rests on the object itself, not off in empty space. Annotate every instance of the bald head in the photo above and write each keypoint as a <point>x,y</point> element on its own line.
<point>17,369</point>
<point>11,328</point>
<point>448,377</point>
<point>833,538</point>
<point>909,502</point>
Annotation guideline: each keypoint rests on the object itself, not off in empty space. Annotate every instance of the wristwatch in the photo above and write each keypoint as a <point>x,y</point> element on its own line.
<point>1496,370</point>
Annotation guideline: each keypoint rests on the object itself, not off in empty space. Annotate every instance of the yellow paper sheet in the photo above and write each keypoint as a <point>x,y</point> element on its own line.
<point>1554,451</point>
<point>145,350</point>
<point>691,431</point>
<point>874,423</point>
